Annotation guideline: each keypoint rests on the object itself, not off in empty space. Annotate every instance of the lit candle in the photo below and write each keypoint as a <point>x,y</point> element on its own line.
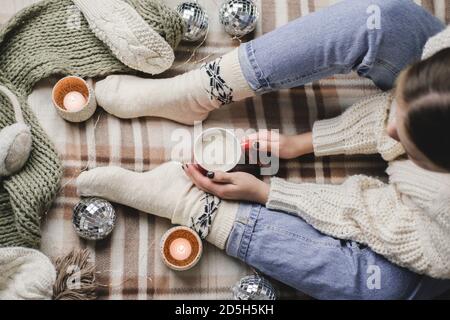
<point>180,249</point>
<point>74,101</point>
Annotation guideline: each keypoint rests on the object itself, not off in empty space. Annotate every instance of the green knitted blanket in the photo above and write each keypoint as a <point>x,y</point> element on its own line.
<point>45,39</point>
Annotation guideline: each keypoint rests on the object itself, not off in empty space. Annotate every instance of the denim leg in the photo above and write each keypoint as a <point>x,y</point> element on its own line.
<point>288,249</point>
<point>338,39</point>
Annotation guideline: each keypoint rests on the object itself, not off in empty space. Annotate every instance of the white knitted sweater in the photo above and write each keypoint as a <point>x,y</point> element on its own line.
<point>407,221</point>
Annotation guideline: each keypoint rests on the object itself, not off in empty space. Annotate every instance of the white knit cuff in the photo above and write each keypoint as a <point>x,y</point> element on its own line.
<point>328,138</point>
<point>233,76</point>
<point>223,223</point>
<point>278,198</point>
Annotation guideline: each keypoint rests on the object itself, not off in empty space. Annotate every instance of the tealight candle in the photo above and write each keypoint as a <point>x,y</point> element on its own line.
<point>74,98</point>
<point>181,248</point>
<point>74,101</point>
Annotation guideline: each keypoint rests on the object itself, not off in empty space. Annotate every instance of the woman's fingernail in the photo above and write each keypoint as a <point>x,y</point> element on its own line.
<point>210,174</point>
<point>182,166</point>
<point>187,166</point>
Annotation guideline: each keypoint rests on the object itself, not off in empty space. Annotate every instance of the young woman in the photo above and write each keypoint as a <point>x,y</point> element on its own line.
<point>363,239</point>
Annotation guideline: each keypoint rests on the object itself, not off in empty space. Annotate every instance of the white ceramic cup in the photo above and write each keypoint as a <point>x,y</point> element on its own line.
<point>217,149</point>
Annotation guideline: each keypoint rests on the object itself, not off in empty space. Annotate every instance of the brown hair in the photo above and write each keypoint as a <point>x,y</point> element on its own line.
<point>425,90</point>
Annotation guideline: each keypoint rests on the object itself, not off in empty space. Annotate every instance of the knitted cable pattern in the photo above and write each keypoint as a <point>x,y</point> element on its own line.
<point>413,234</point>
<point>407,221</point>
<point>48,38</point>
<point>52,37</point>
<point>128,35</point>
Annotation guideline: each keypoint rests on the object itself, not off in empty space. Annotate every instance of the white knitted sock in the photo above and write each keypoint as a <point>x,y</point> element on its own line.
<point>165,191</point>
<point>127,34</point>
<point>186,98</point>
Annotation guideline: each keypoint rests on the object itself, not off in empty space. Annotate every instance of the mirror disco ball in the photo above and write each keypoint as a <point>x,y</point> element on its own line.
<point>253,288</point>
<point>94,218</point>
<point>195,19</point>
<point>239,17</point>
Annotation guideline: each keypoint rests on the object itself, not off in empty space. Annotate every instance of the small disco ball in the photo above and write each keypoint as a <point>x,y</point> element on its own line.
<point>195,19</point>
<point>239,17</point>
<point>253,288</point>
<point>93,218</point>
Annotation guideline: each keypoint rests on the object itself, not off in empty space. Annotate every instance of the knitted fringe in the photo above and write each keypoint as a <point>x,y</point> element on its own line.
<point>75,277</point>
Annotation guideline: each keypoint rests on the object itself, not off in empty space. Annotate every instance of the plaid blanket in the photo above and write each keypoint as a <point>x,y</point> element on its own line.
<point>128,263</point>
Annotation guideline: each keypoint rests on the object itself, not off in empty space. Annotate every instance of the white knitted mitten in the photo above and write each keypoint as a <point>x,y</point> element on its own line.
<point>127,34</point>
<point>25,274</point>
<point>185,98</point>
<point>166,192</point>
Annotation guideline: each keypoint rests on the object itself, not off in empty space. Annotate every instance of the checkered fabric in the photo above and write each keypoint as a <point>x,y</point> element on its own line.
<point>128,263</point>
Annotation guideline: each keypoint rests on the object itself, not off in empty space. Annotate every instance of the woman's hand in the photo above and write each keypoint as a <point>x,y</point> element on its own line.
<point>229,186</point>
<point>282,146</point>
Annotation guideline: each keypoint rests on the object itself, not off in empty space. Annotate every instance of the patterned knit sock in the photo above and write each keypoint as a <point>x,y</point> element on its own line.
<point>127,34</point>
<point>186,98</point>
<point>165,192</point>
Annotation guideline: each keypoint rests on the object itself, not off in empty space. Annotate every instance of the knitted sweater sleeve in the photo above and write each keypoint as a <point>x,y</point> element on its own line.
<point>362,209</point>
<point>361,129</point>
<point>436,43</point>
<point>434,227</point>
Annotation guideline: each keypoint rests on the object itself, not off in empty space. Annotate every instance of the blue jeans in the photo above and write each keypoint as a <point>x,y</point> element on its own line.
<point>338,39</point>
<point>288,249</point>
